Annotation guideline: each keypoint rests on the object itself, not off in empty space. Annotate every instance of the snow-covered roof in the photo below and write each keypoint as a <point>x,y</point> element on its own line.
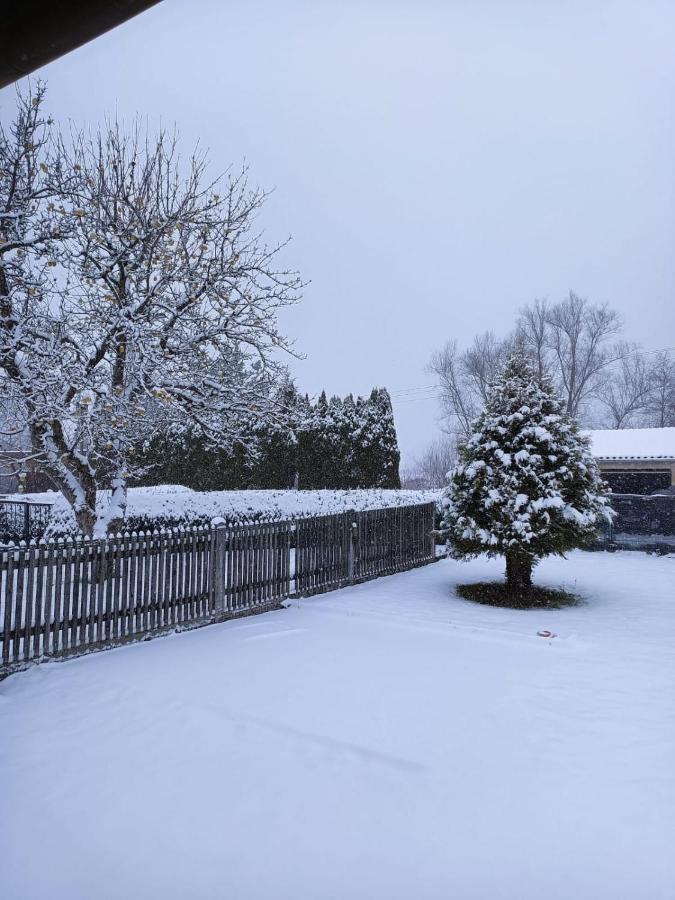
<point>633,443</point>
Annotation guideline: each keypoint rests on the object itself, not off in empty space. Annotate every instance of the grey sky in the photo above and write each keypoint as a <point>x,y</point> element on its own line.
<point>438,164</point>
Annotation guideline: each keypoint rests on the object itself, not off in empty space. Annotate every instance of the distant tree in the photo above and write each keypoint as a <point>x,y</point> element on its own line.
<point>464,377</point>
<point>661,404</point>
<point>306,444</point>
<point>578,336</point>
<point>533,335</point>
<point>334,452</point>
<point>336,444</point>
<point>568,341</point>
<point>526,485</point>
<point>627,387</point>
<point>266,457</point>
<point>430,470</point>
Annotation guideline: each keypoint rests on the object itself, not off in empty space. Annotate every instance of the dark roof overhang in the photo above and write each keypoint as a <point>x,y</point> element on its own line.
<point>37,32</point>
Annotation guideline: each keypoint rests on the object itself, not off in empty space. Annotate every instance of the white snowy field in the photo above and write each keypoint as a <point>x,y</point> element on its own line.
<point>384,741</point>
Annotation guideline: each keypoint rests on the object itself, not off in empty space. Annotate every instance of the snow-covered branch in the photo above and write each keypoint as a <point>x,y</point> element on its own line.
<point>135,294</point>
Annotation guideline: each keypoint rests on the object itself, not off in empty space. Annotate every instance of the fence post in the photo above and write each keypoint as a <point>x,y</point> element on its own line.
<point>432,536</point>
<point>26,522</point>
<point>351,550</point>
<point>219,538</point>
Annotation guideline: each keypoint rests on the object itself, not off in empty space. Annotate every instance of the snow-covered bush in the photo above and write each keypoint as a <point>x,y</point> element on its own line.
<point>174,506</point>
<point>526,485</point>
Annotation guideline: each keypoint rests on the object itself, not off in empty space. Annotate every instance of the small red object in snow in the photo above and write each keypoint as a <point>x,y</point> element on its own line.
<point>546,634</point>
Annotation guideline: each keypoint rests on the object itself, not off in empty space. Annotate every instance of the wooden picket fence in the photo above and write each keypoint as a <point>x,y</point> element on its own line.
<point>72,597</point>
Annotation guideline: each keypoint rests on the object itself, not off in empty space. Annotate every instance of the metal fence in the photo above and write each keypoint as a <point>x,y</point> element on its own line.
<point>23,521</point>
<point>71,597</point>
<point>641,522</point>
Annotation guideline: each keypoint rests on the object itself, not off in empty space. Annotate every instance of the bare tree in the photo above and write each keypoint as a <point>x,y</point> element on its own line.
<point>430,470</point>
<point>661,403</point>
<point>159,280</point>
<point>484,359</point>
<point>627,387</point>
<point>533,335</point>
<point>578,332</point>
<point>570,342</point>
<point>459,404</point>
<point>464,377</point>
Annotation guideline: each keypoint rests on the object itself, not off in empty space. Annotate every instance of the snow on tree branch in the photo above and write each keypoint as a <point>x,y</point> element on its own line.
<point>131,286</point>
<point>526,484</point>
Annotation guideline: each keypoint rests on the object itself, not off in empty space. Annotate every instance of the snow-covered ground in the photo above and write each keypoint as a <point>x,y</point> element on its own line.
<point>384,741</point>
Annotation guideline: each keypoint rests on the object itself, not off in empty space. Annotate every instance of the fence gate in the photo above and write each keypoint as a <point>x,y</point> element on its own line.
<point>23,521</point>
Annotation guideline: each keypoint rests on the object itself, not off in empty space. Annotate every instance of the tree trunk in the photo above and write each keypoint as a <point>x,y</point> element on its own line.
<point>70,473</point>
<point>112,519</point>
<point>518,573</point>
<point>85,517</point>
<point>85,509</point>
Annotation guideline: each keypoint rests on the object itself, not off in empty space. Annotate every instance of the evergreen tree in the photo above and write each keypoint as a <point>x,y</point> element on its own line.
<point>388,441</point>
<point>377,454</point>
<point>317,467</point>
<point>305,438</point>
<point>333,475</point>
<point>337,444</point>
<point>526,485</point>
<point>348,453</point>
<point>187,458</point>
<point>275,451</point>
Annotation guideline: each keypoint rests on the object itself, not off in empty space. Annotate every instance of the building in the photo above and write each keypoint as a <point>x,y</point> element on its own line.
<point>635,460</point>
<point>19,476</point>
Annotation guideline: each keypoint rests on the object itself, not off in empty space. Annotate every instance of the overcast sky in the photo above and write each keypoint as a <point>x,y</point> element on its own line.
<point>437,164</point>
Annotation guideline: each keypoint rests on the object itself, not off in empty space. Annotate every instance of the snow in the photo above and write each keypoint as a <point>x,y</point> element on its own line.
<point>633,443</point>
<point>525,498</point>
<point>384,741</point>
<point>177,500</point>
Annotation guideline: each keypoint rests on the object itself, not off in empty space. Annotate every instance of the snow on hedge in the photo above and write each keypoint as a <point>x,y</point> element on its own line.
<point>169,506</point>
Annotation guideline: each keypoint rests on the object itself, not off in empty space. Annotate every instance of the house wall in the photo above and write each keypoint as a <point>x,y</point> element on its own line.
<point>643,515</point>
<point>636,476</point>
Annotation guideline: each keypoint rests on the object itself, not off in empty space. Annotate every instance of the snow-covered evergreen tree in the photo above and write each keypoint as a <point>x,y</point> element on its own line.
<point>378,453</point>
<point>526,485</point>
<point>275,456</point>
<point>333,448</point>
<point>187,457</point>
<point>349,426</point>
<point>388,439</point>
<point>316,447</point>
